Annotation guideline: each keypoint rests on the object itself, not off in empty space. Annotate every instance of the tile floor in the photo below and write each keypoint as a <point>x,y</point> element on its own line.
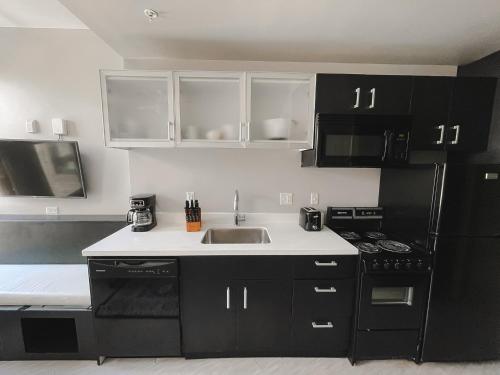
<point>243,366</point>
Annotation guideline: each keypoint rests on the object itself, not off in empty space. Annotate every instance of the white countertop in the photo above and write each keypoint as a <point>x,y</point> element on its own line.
<point>169,238</point>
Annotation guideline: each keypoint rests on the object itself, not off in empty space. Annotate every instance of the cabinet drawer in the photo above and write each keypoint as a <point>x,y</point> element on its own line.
<point>324,267</point>
<point>330,297</point>
<point>329,337</point>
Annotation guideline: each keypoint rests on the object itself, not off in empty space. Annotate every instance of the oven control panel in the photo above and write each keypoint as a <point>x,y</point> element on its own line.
<point>397,265</point>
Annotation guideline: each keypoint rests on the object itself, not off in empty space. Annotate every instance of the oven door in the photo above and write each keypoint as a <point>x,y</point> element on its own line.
<point>392,301</point>
<point>361,140</point>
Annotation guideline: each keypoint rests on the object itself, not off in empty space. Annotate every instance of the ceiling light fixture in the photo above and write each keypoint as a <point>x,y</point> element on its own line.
<point>151,14</point>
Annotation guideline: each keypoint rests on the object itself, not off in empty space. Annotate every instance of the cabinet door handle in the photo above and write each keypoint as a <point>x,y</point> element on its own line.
<point>358,95</point>
<point>171,131</point>
<point>247,138</point>
<point>332,289</point>
<point>327,325</point>
<point>242,136</point>
<point>332,263</point>
<point>245,298</point>
<point>457,134</point>
<point>441,135</point>
<point>228,298</point>
<point>372,104</point>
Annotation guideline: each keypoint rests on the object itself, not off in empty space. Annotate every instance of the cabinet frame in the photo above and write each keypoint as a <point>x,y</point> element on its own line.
<point>178,75</point>
<point>138,142</point>
<point>281,144</point>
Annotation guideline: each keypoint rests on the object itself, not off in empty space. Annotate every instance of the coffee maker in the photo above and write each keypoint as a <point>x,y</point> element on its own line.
<point>142,212</point>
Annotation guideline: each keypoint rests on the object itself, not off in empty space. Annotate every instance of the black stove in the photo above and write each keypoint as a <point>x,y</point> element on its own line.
<point>394,274</point>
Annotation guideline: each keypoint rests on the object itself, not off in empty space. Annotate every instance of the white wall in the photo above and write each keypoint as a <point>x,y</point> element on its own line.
<point>46,73</point>
<point>260,175</point>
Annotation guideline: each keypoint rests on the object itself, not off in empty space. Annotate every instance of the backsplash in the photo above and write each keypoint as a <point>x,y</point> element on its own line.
<point>259,175</point>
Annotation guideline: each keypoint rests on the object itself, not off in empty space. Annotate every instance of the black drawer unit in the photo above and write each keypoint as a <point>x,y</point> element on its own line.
<point>328,337</point>
<point>329,297</point>
<point>324,267</point>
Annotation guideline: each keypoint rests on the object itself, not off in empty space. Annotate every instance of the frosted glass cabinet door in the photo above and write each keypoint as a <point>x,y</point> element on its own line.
<point>209,109</point>
<point>138,109</point>
<point>280,109</point>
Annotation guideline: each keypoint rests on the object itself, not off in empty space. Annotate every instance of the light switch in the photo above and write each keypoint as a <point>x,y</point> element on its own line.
<point>314,198</point>
<point>59,126</point>
<point>31,126</point>
<point>286,199</point>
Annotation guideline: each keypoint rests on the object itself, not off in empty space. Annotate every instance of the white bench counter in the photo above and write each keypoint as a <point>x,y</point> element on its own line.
<point>44,284</point>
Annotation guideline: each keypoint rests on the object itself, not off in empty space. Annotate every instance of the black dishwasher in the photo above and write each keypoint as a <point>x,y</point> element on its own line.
<point>135,303</point>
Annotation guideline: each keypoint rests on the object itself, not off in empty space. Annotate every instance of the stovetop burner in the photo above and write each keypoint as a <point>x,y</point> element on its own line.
<point>367,247</point>
<point>394,246</point>
<point>350,236</point>
<point>375,235</point>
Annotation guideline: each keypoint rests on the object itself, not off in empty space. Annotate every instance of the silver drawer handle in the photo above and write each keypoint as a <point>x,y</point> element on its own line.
<point>228,298</point>
<point>327,325</point>
<point>326,264</point>
<point>245,298</point>
<point>325,290</point>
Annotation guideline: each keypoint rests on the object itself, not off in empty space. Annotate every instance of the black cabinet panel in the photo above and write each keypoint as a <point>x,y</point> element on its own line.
<point>430,108</point>
<point>327,336</point>
<point>386,344</point>
<point>351,93</point>
<point>208,310</point>
<point>331,297</point>
<point>470,115</point>
<point>264,317</point>
<point>463,320</point>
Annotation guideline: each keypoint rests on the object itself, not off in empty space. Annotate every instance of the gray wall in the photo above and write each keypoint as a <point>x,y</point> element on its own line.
<point>487,66</point>
<point>260,175</point>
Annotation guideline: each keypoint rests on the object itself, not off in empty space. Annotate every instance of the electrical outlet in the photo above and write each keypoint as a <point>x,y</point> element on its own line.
<point>314,198</point>
<point>52,210</point>
<point>286,199</point>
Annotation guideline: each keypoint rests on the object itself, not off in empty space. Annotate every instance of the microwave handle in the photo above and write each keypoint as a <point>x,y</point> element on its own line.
<point>386,144</point>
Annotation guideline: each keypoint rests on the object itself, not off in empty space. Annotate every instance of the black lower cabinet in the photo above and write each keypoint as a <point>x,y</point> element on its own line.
<point>264,318</point>
<point>260,306</point>
<point>208,316</point>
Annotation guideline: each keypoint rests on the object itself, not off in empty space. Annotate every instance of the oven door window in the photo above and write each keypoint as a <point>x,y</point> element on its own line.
<point>392,295</point>
<point>136,297</point>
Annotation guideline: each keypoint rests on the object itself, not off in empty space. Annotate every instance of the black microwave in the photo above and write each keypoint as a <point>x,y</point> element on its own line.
<point>359,141</point>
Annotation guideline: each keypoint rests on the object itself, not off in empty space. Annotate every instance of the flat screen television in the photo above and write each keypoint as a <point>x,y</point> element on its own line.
<point>41,169</point>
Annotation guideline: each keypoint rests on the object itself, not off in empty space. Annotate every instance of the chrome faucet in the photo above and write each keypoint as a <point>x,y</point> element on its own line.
<point>237,216</point>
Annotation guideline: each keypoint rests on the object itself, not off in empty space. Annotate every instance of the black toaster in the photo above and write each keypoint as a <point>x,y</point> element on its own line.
<point>310,219</point>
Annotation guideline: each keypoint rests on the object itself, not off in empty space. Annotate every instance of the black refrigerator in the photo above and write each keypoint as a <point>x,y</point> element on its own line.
<point>454,211</point>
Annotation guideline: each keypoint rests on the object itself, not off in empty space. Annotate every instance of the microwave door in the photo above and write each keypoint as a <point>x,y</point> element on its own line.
<point>352,145</point>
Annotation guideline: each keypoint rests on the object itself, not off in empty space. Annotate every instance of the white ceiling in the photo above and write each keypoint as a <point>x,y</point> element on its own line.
<point>364,31</point>
<point>37,14</point>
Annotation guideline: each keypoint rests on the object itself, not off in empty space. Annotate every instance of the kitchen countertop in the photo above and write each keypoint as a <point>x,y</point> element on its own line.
<point>169,238</point>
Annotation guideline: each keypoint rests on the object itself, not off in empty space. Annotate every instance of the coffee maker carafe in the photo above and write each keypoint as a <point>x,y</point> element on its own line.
<point>142,212</point>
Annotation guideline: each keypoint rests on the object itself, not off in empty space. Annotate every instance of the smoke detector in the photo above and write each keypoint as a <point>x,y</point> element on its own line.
<point>151,14</point>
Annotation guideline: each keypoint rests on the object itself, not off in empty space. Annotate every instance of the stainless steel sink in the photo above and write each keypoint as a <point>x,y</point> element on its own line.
<point>236,235</point>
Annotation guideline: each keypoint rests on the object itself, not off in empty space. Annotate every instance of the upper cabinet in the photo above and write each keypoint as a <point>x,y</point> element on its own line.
<point>137,108</point>
<point>280,110</point>
<point>363,94</point>
<point>452,114</point>
<point>208,109</point>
